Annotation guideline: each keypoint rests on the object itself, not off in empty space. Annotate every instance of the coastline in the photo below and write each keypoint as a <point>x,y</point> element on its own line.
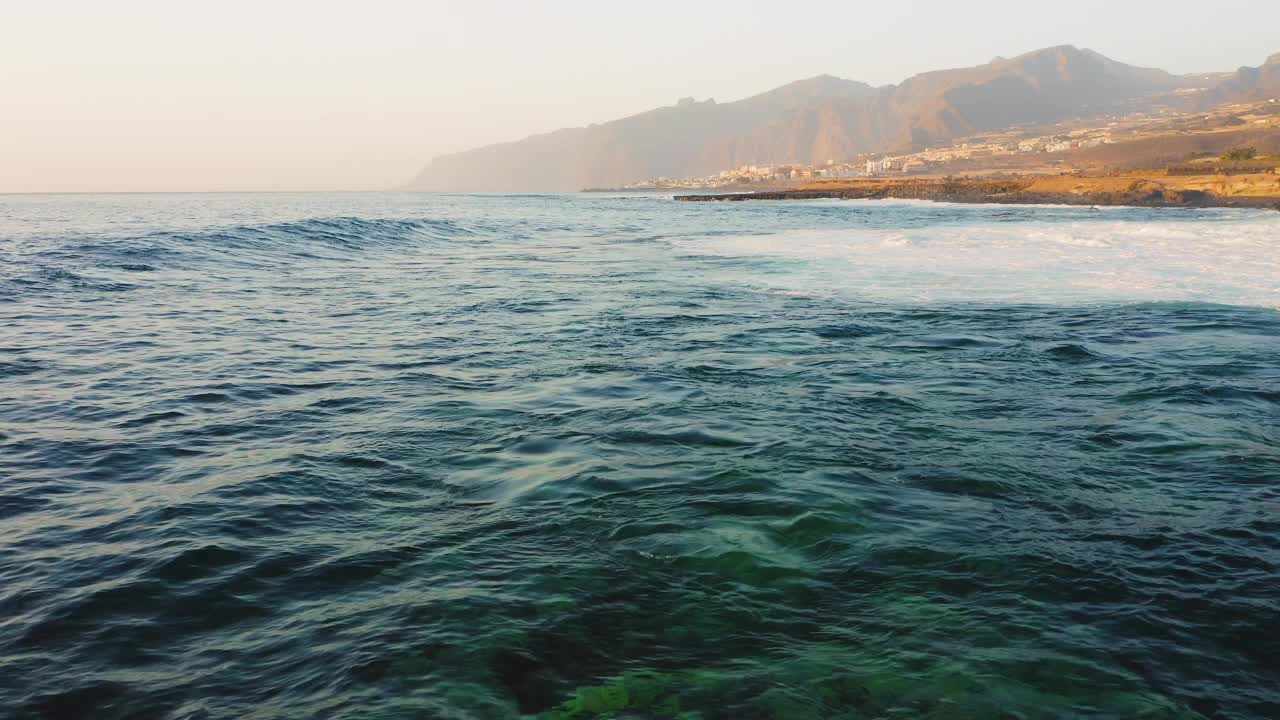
<point>1262,192</point>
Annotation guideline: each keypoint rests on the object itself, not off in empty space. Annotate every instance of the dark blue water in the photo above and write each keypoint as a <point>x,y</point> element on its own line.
<point>414,456</point>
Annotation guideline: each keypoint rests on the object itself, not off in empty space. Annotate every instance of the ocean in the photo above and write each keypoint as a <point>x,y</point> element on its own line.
<point>270,456</point>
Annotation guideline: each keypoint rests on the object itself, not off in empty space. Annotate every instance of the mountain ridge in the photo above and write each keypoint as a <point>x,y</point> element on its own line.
<point>823,118</point>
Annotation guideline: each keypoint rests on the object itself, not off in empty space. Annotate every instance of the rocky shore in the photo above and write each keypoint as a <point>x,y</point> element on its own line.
<point>1067,190</point>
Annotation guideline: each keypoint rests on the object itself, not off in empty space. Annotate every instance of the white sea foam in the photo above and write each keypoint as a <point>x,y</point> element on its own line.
<point>1222,258</point>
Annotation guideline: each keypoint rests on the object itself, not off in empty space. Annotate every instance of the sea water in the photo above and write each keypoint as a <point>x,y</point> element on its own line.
<point>593,456</point>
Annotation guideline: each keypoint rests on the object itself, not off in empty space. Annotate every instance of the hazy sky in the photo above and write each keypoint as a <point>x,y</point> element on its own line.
<point>277,94</point>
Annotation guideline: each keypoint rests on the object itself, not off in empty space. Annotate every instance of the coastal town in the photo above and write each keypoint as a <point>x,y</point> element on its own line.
<point>1027,150</point>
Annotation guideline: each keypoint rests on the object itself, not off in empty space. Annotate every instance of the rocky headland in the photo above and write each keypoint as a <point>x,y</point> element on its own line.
<point>1260,191</point>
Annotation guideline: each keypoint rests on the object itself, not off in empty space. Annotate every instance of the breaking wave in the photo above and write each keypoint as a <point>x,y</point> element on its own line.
<point>1219,258</point>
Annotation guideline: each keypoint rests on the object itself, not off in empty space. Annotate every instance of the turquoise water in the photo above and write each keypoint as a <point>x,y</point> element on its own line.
<point>416,456</point>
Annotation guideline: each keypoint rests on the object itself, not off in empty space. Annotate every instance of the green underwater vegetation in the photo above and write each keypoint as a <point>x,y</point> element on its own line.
<point>751,693</point>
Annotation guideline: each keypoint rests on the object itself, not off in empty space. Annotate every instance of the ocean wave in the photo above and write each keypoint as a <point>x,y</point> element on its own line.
<point>113,264</point>
<point>343,234</point>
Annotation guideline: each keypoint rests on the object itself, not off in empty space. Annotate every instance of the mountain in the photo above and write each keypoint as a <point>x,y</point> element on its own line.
<point>1246,84</point>
<point>810,121</point>
<point>659,142</point>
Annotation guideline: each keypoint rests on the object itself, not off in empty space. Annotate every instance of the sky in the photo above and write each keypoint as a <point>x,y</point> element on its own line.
<point>165,95</point>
